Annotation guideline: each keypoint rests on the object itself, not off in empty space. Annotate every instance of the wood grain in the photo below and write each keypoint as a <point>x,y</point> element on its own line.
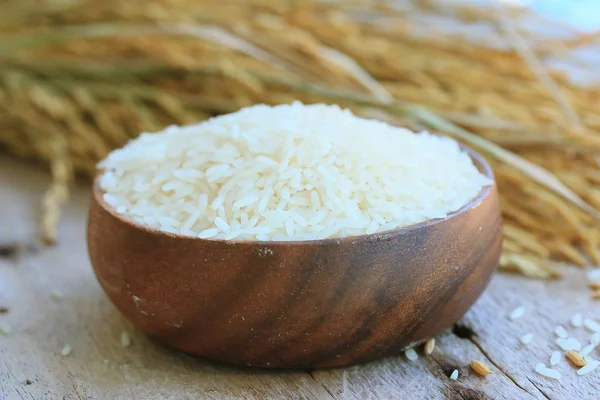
<point>31,366</point>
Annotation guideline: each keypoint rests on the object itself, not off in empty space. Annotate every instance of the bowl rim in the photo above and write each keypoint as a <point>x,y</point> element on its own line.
<point>478,160</point>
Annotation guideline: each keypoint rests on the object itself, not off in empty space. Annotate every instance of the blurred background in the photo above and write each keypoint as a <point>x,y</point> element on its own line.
<point>517,80</point>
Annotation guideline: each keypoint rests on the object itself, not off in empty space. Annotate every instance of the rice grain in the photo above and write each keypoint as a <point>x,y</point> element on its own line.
<point>591,325</point>
<point>429,346</point>
<point>577,320</point>
<point>454,375</point>
<point>411,354</point>
<point>561,332</point>
<point>526,339</point>
<point>568,344</point>
<point>125,339</point>
<point>555,358</point>
<point>587,349</point>
<point>66,351</point>
<point>541,369</point>
<point>591,365</point>
<point>575,358</point>
<point>480,368</point>
<point>245,176</point>
<point>516,313</point>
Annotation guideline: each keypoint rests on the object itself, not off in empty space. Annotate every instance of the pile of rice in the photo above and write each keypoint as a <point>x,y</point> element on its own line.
<point>289,172</point>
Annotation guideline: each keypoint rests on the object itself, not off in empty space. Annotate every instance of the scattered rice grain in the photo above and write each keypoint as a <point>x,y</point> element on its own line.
<point>66,351</point>
<point>527,338</point>
<point>541,369</point>
<point>587,349</point>
<point>555,358</point>
<point>577,320</point>
<point>480,368</point>
<point>568,344</point>
<point>454,375</point>
<point>591,325</point>
<point>561,332</point>
<point>516,313</point>
<point>429,346</point>
<point>125,339</point>
<point>411,354</point>
<point>591,365</point>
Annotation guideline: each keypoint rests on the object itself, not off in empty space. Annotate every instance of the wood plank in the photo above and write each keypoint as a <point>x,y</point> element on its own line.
<point>31,365</point>
<point>548,304</point>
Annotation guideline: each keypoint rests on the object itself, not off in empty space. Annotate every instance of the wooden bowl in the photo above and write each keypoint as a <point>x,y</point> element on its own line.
<point>300,304</point>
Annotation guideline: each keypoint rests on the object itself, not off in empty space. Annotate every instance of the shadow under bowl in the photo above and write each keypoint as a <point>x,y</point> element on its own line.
<point>301,304</point>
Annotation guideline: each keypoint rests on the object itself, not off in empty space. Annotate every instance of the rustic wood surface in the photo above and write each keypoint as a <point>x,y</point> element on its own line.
<point>32,367</point>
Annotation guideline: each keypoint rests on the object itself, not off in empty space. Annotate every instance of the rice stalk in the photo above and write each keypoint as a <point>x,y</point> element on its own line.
<point>540,71</point>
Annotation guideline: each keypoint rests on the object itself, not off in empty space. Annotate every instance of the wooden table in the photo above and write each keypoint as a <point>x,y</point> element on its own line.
<point>99,367</point>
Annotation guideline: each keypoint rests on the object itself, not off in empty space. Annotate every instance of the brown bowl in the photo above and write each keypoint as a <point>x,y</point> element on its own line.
<point>318,303</point>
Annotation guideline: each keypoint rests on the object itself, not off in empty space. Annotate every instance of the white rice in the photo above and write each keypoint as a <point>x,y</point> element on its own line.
<point>527,338</point>
<point>577,320</point>
<point>125,339</point>
<point>591,325</point>
<point>454,375</point>
<point>561,332</point>
<point>589,367</point>
<point>516,313</point>
<point>66,350</point>
<point>289,172</point>
<point>555,358</point>
<point>587,350</point>
<point>568,344</point>
<point>411,354</point>
<point>541,369</point>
